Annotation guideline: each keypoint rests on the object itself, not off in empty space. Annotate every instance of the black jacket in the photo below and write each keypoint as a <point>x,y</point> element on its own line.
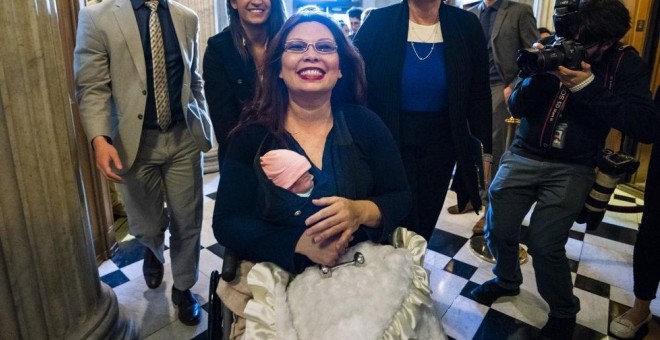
<point>382,42</point>
<point>229,84</point>
<point>590,113</point>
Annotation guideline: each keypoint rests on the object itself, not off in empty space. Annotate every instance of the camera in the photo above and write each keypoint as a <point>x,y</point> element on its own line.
<point>564,51</point>
<point>612,168</point>
<point>567,53</point>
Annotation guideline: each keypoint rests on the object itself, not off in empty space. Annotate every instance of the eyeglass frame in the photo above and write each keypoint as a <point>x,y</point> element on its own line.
<point>308,44</point>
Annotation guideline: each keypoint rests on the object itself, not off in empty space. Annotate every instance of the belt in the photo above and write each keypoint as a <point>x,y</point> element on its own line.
<point>172,125</point>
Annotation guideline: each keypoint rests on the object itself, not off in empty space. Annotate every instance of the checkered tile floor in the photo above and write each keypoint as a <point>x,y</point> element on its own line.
<point>601,262</point>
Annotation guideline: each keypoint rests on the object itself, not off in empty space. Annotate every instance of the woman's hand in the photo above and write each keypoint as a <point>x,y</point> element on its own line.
<point>340,216</point>
<point>325,253</point>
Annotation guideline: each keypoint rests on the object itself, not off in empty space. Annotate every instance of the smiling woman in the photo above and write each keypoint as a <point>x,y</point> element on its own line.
<point>310,71</point>
<point>310,102</point>
<point>233,60</point>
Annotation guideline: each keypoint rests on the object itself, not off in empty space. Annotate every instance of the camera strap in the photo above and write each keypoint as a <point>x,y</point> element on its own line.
<point>613,68</point>
<point>558,104</point>
<point>552,117</point>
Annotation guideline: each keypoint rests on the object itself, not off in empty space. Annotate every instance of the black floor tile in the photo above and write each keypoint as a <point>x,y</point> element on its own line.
<point>114,279</point>
<point>217,249</point>
<point>586,333</point>
<point>446,243</point>
<point>499,326</point>
<point>574,234</point>
<point>624,198</point>
<point>467,289</point>
<point>574,265</point>
<point>615,233</point>
<point>461,269</point>
<point>592,286</point>
<point>129,252</point>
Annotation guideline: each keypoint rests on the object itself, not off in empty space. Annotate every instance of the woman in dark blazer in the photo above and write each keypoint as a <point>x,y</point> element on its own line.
<point>232,60</point>
<point>427,75</point>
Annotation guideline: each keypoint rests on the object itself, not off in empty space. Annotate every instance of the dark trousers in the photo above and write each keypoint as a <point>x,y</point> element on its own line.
<point>429,157</point>
<point>647,245</point>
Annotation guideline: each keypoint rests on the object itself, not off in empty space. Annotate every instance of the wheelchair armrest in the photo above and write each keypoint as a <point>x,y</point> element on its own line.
<point>230,264</point>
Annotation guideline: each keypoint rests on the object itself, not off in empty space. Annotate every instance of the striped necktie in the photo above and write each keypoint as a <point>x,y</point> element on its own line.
<point>161,92</point>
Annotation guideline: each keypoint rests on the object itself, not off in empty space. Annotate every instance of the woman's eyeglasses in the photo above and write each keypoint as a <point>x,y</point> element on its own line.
<point>300,46</point>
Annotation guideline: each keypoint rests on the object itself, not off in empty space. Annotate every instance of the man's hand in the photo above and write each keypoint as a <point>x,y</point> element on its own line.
<point>571,78</point>
<point>106,156</point>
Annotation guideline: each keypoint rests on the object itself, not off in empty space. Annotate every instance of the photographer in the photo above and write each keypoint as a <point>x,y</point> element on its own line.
<point>566,114</point>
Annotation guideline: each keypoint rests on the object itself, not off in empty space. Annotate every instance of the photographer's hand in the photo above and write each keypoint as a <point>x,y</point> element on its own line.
<point>572,78</point>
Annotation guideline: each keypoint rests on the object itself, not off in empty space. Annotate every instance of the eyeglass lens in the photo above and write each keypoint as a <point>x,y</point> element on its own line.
<point>300,46</point>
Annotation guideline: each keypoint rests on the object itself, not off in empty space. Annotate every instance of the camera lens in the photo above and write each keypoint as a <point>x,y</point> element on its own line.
<point>533,61</point>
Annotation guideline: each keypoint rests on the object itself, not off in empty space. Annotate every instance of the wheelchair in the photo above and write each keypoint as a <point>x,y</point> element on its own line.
<point>220,317</point>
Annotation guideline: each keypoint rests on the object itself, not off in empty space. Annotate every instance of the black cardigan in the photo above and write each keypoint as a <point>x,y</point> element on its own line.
<point>382,42</point>
<point>238,221</point>
<point>229,82</point>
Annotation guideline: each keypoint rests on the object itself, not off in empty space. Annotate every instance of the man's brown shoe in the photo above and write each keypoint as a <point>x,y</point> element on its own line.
<point>479,226</point>
<point>454,209</point>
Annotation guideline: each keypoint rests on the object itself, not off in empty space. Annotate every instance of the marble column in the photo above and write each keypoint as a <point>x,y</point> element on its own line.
<point>49,283</point>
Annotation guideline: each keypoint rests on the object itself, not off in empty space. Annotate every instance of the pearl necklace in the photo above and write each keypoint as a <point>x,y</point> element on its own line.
<point>429,39</point>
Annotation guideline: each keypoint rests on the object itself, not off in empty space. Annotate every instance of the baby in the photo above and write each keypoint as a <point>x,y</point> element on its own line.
<point>289,170</point>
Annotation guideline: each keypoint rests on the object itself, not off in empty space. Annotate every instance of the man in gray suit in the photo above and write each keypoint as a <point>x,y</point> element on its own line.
<point>143,110</point>
<point>508,26</point>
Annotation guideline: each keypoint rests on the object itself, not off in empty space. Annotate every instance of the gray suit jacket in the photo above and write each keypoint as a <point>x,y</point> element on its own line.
<point>514,29</point>
<point>111,76</point>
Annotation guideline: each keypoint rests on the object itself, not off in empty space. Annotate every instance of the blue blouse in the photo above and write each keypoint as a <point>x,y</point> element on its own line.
<point>424,82</point>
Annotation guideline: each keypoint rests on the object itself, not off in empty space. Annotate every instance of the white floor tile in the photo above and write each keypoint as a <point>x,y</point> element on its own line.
<point>463,318</point>
<point>435,260</point>
<point>606,265</point>
<point>594,310</point>
<point>609,244</point>
<point>177,330</point>
<point>527,307</point>
<point>208,262</point>
<point>107,267</point>
<point>573,249</point>
<point>445,288</point>
<point>134,270</point>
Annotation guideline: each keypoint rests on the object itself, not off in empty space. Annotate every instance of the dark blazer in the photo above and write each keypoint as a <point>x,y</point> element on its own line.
<point>382,42</point>
<point>229,83</point>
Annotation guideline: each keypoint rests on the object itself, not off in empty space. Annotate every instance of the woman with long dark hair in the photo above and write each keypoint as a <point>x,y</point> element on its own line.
<point>309,102</point>
<point>233,59</point>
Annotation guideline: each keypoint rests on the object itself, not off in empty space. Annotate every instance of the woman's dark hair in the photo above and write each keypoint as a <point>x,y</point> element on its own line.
<point>272,97</point>
<point>603,20</point>
<point>274,22</point>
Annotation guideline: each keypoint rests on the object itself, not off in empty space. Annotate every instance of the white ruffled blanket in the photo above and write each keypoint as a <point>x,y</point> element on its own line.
<point>388,297</point>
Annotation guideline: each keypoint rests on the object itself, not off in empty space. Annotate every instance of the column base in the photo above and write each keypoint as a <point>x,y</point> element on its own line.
<point>107,321</point>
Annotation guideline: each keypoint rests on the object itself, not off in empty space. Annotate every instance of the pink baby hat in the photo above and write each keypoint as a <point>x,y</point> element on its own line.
<point>284,167</point>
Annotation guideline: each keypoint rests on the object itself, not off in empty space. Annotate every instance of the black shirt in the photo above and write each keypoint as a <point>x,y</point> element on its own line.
<point>173,61</point>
